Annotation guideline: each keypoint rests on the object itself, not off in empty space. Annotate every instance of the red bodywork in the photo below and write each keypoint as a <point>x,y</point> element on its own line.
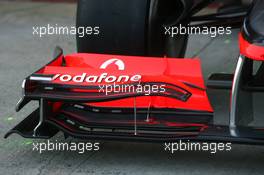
<point>250,50</point>
<point>184,73</point>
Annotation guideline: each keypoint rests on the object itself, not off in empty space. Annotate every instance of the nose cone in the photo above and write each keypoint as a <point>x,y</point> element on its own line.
<point>253,29</point>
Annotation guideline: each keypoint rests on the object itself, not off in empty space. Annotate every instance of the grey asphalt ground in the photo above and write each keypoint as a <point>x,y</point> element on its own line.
<point>21,53</point>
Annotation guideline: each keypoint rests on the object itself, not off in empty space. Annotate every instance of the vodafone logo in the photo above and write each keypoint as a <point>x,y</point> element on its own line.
<point>103,77</point>
<point>119,63</point>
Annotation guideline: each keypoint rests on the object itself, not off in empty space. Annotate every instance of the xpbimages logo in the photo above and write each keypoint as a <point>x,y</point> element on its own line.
<point>103,78</point>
